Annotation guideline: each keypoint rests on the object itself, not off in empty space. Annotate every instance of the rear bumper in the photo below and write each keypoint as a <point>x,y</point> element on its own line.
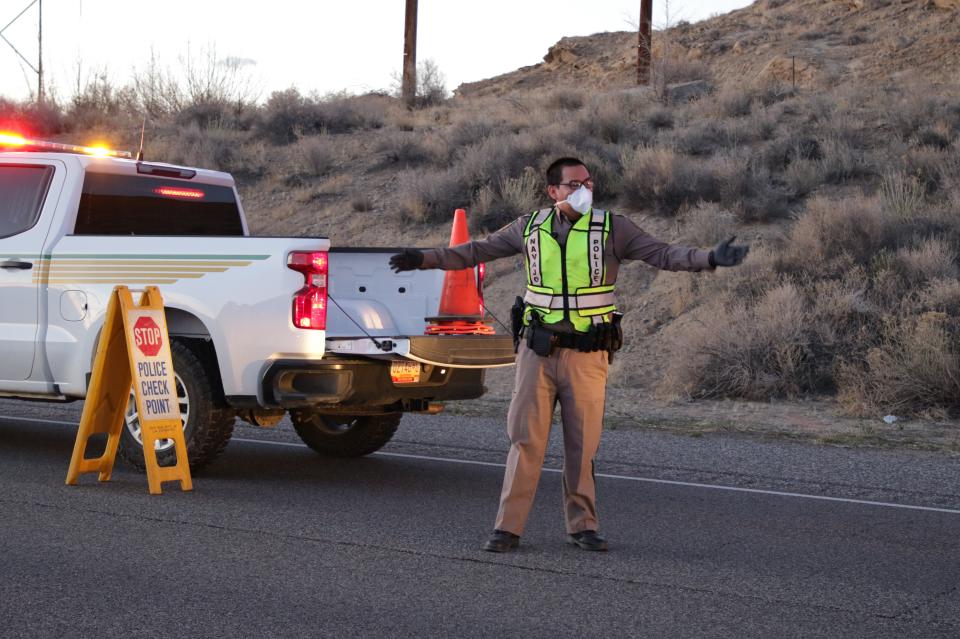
<point>363,383</point>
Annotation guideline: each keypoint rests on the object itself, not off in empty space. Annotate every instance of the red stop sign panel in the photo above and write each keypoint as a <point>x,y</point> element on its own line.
<point>147,336</point>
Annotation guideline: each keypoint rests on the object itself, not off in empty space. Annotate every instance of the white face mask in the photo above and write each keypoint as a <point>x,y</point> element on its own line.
<point>581,200</point>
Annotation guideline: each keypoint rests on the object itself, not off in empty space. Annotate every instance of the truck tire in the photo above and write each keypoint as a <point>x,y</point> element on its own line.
<point>208,421</point>
<point>347,435</point>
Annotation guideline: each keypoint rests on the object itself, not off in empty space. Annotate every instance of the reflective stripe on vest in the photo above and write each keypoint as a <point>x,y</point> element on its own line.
<point>586,299</point>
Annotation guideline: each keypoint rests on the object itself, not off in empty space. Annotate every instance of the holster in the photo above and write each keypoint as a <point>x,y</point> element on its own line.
<point>539,339</point>
<point>516,321</point>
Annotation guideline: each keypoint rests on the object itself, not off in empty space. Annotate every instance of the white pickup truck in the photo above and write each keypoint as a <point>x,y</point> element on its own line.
<point>252,334</point>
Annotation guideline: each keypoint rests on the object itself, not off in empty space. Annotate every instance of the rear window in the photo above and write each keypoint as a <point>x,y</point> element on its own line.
<point>22,190</point>
<point>137,205</point>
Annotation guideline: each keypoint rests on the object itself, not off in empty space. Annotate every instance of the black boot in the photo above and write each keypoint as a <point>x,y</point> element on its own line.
<point>588,540</point>
<point>501,541</point>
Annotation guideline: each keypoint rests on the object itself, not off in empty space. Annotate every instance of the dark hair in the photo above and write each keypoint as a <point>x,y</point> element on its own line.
<point>555,170</point>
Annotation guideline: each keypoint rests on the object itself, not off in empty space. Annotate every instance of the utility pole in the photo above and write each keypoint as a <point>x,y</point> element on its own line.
<point>645,42</point>
<point>40,53</point>
<point>408,89</point>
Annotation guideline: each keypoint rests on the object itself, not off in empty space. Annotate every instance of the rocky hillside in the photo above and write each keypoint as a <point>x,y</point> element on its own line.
<point>829,41</point>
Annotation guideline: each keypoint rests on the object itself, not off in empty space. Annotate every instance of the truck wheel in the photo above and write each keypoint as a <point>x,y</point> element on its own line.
<point>345,436</point>
<point>207,420</point>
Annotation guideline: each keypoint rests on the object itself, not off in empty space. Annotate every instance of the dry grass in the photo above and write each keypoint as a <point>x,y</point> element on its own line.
<point>915,369</point>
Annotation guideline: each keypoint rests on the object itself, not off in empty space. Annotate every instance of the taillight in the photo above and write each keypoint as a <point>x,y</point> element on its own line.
<point>481,273</point>
<point>310,302</point>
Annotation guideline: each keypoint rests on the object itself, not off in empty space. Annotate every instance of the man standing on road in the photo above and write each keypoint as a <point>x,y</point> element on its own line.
<point>570,328</point>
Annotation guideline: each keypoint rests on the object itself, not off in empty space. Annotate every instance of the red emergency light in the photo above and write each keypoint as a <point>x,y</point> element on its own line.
<point>10,139</point>
<point>180,193</point>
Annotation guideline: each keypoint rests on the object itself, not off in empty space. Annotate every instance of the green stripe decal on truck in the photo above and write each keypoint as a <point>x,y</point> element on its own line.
<point>84,268</point>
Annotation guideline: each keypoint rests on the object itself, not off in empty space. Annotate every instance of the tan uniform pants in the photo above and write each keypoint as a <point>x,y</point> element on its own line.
<point>578,381</point>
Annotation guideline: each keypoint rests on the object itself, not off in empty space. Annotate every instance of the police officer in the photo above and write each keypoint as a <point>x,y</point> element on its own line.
<point>570,326</point>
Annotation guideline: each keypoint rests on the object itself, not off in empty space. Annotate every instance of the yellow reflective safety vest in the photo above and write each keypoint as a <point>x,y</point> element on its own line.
<point>566,281</point>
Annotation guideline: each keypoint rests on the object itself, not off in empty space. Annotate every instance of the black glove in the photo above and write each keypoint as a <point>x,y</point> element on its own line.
<point>727,254</point>
<point>407,260</point>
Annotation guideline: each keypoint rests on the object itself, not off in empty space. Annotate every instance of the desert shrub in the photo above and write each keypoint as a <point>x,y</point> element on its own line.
<point>208,114</point>
<point>902,195</point>
<point>932,137</point>
<point>778,154</point>
<point>316,155</point>
<point>220,149</point>
<point>347,113</point>
<point>748,188</point>
<point>842,163</point>
<point>913,111</point>
<point>707,223</point>
<point>761,125</point>
<point>664,180</point>
<point>428,197</point>
<point>757,352</point>
<point>403,149</point>
<point>467,133</point>
<point>685,70</point>
<point>942,295</point>
<point>802,177</point>
<point>361,203</point>
<point>509,199</point>
<point>933,259</point>
<point>660,119</point>
<point>507,155</point>
<point>288,115</point>
<point>431,84</point>
<point>706,137</point>
<point>830,235</point>
<point>31,117</point>
<point>607,121</point>
<point>564,100</point>
<point>928,166</point>
<point>604,166</point>
<point>915,369</point>
<point>734,102</point>
<point>97,102</point>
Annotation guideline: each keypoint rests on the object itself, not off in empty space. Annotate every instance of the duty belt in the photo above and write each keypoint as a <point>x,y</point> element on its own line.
<point>557,339</point>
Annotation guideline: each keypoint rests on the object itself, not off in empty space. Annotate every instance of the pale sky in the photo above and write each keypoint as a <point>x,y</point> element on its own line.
<point>320,45</point>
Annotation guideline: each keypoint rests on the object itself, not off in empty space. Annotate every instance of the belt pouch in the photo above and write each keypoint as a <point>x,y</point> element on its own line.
<point>539,340</point>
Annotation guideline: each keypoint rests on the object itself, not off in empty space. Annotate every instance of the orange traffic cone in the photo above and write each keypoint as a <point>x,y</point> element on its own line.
<point>461,311</point>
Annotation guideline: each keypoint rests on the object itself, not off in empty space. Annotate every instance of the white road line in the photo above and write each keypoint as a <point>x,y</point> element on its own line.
<point>648,480</point>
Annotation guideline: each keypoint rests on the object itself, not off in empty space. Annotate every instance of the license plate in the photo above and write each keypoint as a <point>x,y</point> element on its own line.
<point>405,372</point>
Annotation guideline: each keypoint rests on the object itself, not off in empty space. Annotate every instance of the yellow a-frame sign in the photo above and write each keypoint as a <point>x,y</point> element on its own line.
<point>134,350</point>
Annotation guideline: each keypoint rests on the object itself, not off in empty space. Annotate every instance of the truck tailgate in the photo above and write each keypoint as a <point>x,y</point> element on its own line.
<point>368,299</point>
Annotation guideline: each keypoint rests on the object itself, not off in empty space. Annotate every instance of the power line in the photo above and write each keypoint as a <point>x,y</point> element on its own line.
<point>39,68</point>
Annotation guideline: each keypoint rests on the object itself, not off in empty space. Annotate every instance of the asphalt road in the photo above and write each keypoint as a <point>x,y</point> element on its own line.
<point>716,536</point>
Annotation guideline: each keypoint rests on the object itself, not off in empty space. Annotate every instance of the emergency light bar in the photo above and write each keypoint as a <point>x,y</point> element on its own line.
<point>17,141</point>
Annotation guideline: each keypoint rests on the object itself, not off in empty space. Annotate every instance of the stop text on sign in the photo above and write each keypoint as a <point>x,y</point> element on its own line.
<point>147,336</point>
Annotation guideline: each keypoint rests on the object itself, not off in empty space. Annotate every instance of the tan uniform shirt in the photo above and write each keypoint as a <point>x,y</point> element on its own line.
<point>626,241</point>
